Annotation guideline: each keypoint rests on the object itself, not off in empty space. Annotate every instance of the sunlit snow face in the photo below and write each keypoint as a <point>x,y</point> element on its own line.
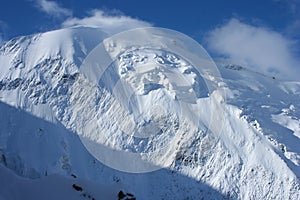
<point>150,77</point>
<point>155,79</point>
<point>158,81</point>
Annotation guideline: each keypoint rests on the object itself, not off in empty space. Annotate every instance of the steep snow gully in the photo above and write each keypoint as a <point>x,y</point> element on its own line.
<point>144,114</point>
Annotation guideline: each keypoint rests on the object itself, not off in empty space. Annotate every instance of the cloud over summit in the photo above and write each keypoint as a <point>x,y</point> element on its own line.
<point>259,47</point>
<point>109,23</point>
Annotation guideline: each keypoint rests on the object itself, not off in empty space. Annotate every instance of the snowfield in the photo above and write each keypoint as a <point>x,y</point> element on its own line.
<point>150,126</point>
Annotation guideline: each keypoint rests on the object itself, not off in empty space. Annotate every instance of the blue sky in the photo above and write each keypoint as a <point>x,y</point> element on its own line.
<point>271,26</point>
<point>193,17</point>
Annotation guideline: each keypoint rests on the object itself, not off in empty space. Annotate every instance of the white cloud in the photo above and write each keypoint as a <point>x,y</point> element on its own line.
<point>265,50</point>
<point>109,23</point>
<point>52,8</point>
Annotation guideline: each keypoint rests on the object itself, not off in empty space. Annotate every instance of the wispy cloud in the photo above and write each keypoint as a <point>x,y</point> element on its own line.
<point>3,27</point>
<point>292,10</point>
<point>109,23</point>
<point>265,50</point>
<point>52,8</point>
<point>293,6</point>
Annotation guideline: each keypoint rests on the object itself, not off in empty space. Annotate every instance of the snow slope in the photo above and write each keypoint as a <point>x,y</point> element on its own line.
<point>246,147</point>
<point>53,187</point>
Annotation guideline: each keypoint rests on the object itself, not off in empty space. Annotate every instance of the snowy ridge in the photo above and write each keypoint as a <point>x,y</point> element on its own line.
<point>49,102</point>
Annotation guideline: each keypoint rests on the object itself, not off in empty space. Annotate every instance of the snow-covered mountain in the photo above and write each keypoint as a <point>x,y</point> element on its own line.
<point>240,140</point>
